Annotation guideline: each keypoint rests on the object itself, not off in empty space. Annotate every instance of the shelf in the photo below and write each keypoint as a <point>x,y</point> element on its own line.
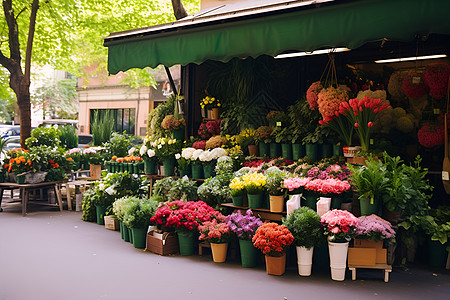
<point>262,213</point>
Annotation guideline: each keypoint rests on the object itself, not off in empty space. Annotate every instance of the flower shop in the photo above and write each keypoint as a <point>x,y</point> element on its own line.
<point>287,154</point>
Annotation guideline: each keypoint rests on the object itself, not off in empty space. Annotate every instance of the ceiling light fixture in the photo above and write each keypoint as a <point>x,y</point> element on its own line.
<point>315,52</point>
<point>382,61</point>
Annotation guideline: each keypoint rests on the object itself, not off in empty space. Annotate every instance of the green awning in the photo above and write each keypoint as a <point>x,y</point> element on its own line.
<point>343,24</point>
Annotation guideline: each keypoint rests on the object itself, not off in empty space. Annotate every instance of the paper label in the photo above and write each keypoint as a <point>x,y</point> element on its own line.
<point>278,124</point>
<point>445,175</point>
<point>371,141</point>
<point>416,80</point>
<point>436,111</point>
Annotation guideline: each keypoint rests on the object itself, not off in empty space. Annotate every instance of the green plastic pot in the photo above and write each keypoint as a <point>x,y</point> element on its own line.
<point>100,212</point>
<point>327,150</point>
<point>169,166</point>
<point>312,151</point>
<point>264,149</point>
<point>275,150</point>
<point>286,151</point>
<point>208,171</point>
<point>150,166</point>
<point>298,151</point>
<point>249,254</point>
<point>337,150</point>
<point>187,172</point>
<point>139,237</point>
<point>197,171</point>
<point>368,208</point>
<point>179,134</point>
<point>310,201</point>
<point>126,233</point>
<point>186,243</point>
<point>255,200</point>
<point>238,200</point>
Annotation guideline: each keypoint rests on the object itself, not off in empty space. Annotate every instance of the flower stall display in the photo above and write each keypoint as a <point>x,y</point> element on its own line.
<point>368,244</point>
<point>175,126</point>
<point>165,149</point>
<point>245,226</point>
<point>184,218</point>
<point>217,233</point>
<point>273,240</point>
<point>212,104</point>
<point>305,226</point>
<point>339,226</point>
<point>436,77</point>
<point>276,188</point>
<point>254,185</point>
<point>237,191</point>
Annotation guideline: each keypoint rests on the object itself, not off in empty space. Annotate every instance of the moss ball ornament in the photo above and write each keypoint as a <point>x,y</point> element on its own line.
<point>395,87</point>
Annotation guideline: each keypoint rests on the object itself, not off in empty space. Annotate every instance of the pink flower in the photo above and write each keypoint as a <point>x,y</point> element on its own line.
<point>356,125</point>
<point>370,124</point>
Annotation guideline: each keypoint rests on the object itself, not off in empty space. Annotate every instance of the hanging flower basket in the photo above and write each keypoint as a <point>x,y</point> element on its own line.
<point>431,135</point>
<point>436,77</point>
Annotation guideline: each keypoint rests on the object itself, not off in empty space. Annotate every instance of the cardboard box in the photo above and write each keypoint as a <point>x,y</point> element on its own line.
<point>111,223</point>
<point>362,256</point>
<point>381,256</point>
<point>162,243</point>
<point>362,243</point>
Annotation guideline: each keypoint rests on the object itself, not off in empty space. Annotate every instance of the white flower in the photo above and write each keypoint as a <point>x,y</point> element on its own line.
<point>160,146</point>
<point>111,190</point>
<point>177,156</point>
<point>131,151</point>
<point>162,142</point>
<point>101,186</point>
<point>143,150</point>
<point>224,158</point>
<point>153,144</point>
<point>196,154</point>
<point>150,152</point>
<point>218,152</point>
<point>187,153</point>
<point>206,156</point>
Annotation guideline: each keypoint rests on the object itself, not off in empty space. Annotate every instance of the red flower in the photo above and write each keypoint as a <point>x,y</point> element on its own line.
<point>356,125</point>
<point>370,124</point>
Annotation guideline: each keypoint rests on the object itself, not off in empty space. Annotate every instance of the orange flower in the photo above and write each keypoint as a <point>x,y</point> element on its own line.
<point>29,162</point>
<point>17,161</point>
<point>22,159</point>
<point>69,159</point>
<point>55,165</point>
<point>6,166</point>
<point>86,146</point>
<point>11,161</point>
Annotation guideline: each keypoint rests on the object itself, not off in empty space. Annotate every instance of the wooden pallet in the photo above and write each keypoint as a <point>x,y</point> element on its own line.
<point>386,268</point>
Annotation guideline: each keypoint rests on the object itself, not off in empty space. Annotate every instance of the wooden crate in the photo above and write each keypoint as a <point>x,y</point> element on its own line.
<point>162,244</point>
<point>111,223</point>
<point>363,243</point>
<point>362,256</point>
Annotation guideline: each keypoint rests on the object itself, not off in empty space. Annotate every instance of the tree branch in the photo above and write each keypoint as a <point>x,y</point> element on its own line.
<point>31,30</point>
<point>178,9</point>
<point>13,31</point>
<point>6,62</point>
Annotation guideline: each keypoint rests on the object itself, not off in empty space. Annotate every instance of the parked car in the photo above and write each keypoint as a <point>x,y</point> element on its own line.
<point>9,130</point>
<point>52,122</point>
<point>10,143</point>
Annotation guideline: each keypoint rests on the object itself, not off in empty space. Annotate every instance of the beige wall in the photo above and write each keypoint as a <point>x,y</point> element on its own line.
<point>212,3</point>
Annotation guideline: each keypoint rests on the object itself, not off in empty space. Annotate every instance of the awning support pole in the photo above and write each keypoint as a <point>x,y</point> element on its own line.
<point>172,83</point>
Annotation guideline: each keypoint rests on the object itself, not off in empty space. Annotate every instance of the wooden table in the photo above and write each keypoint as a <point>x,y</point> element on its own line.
<point>262,213</point>
<point>26,189</point>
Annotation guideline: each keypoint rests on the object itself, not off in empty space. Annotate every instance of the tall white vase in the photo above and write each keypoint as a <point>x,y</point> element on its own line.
<point>338,260</point>
<point>304,260</point>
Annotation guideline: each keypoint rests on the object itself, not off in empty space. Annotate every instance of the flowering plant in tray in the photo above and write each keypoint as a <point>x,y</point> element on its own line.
<point>374,228</point>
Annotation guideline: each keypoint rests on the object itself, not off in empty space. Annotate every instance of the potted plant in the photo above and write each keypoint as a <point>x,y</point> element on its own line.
<point>184,218</point>
<point>283,136</point>
<point>136,215</point>
<point>263,135</point>
<point>95,159</point>
<point>212,104</point>
<point>165,149</point>
<point>339,226</point>
<point>371,183</point>
<point>174,125</point>
<point>305,226</point>
<point>254,184</point>
<point>273,240</point>
<point>276,188</point>
<point>245,226</point>
<point>217,233</point>
<point>237,191</point>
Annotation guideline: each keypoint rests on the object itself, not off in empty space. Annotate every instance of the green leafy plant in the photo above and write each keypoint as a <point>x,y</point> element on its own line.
<point>138,211</point>
<point>48,136</point>
<point>117,145</point>
<point>215,190</point>
<point>68,137</point>
<point>275,181</point>
<point>304,224</point>
<point>102,128</point>
<point>157,115</point>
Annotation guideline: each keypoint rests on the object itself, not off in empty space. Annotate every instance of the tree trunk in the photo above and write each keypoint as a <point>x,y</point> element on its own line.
<point>178,10</point>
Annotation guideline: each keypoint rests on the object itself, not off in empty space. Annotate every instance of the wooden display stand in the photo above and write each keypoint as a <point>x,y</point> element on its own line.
<point>386,270</point>
<point>162,243</point>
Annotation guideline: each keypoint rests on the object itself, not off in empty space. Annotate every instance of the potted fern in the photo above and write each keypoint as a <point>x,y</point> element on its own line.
<point>304,224</point>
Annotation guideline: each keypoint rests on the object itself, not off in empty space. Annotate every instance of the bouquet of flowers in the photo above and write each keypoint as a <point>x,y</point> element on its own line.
<point>209,129</point>
<point>199,145</point>
<point>431,135</point>
<point>184,216</point>
<point>272,239</point>
<point>312,94</point>
<point>263,134</point>
<point>254,183</point>
<point>328,186</point>
<point>236,187</point>
<point>339,225</point>
<point>166,147</point>
<point>374,228</point>
<point>244,226</point>
<point>93,155</point>
<point>436,77</point>
<point>296,183</point>
<point>214,231</point>
<point>170,123</point>
<point>210,102</point>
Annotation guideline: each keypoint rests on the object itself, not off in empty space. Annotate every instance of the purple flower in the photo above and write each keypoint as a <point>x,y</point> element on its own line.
<point>243,225</point>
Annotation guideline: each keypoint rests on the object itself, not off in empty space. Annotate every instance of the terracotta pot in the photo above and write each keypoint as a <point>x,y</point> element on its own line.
<point>276,265</point>
<point>253,150</point>
<point>219,252</point>
<point>95,171</point>
<point>276,203</point>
